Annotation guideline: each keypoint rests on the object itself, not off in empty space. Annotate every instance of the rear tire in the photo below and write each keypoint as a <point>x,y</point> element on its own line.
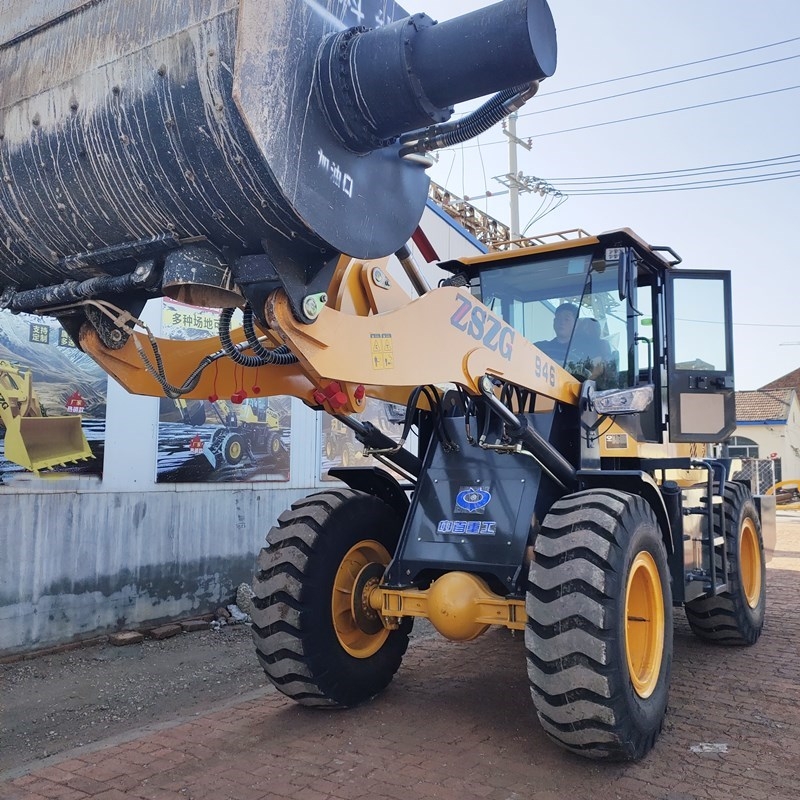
<point>314,648</point>
<point>736,616</point>
<point>274,443</point>
<point>599,632</point>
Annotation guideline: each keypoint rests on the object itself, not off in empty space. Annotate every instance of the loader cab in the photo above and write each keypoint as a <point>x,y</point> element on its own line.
<point>614,309</point>
<point>567,301</point>
<point>566,305</point>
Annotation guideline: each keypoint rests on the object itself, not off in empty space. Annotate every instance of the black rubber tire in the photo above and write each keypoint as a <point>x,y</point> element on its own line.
<point>216,441</point>
<point>292,618</point>
<point>349,452</point>
<point>233,449</point>
<point>728,618</point>
<point>274,443</point>
<point>575,637</point>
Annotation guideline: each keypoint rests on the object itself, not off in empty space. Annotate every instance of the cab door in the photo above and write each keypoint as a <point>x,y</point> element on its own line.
<point>700,386</point>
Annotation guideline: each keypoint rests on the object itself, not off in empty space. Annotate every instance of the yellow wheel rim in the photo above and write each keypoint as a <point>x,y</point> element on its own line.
<point>644,624</point>
<point>355,641</point>
<point>235,450</point>
<point>750,562</point>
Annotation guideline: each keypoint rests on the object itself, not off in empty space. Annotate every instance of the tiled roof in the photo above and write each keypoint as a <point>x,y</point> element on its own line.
<point>791,380</point>
<point>760,404</point>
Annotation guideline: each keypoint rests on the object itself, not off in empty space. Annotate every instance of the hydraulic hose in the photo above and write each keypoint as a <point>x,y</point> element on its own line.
<point>279,355</point>
<point>271,357</point>
<point>479,121</point>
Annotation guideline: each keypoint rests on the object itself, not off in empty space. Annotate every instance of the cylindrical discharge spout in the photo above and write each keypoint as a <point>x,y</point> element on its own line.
<point>375,85</point>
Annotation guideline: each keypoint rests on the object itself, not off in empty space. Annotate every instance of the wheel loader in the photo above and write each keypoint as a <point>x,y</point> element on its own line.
<point>248,430</point>
<point>272,157</point>
<point>31,438</point>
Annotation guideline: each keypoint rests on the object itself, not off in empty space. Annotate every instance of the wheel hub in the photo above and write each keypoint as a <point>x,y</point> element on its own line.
<point>358,627</point>
<point>366,617</point>
<point>644,624</point>
<point>750,563</point>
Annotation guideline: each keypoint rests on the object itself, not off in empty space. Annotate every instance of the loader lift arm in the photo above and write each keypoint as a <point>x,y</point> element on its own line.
<point>345,357</point>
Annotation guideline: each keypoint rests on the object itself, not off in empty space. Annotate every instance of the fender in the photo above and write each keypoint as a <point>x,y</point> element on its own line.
<point>377,482</point>
<point>634,482</point>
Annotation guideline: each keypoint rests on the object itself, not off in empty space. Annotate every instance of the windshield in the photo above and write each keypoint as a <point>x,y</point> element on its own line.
<point>569,307</point>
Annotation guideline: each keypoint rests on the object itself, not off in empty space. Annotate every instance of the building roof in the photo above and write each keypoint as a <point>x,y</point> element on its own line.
<point>791,380</point>
<point>760,405</point>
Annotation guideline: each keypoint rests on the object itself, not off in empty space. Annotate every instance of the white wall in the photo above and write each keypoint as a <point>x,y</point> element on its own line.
<point>783,439</point>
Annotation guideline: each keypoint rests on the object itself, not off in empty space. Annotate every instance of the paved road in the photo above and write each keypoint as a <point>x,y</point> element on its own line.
<point>457,724</point>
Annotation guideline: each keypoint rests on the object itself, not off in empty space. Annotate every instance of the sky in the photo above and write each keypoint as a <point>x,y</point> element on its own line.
<point>748,229</point>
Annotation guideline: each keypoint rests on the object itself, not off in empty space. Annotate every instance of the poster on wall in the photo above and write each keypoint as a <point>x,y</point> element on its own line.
<point>52,401</point>
<point>340,448</point>
<point>220,440</point>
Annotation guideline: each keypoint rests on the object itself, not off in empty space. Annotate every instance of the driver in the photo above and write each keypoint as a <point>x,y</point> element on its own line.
<point>563,323</point>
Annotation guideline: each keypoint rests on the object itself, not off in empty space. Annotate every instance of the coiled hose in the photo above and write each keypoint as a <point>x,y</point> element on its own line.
<point>280,355</point>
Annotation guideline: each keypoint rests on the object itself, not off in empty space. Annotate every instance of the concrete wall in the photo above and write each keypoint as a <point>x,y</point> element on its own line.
<point>83,560</point>
<point>80,556</point>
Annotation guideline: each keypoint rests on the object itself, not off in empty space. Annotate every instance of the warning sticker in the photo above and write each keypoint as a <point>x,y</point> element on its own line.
<point>382,350</point>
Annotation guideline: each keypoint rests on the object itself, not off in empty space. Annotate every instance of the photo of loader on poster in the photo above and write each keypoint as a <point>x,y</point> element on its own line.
<point>340,448</point>
<point>52,401</point>
<point>241,438</point>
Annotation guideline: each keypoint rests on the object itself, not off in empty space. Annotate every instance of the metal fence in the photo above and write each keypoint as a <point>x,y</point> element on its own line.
<point>761,472</point>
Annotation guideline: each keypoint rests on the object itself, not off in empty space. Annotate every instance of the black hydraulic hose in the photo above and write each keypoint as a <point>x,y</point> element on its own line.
<point>437,415</point>
<point>494,110</point>
<point>157,371</point>
<point>279,355</point>
<point>234,353</point>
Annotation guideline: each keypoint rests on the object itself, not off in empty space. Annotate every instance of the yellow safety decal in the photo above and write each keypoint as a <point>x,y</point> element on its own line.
<point>382,350</point>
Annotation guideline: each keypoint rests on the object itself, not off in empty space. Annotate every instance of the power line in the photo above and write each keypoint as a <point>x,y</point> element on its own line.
<point>684,187</point>
<point>708,169</point>
<point>645,116</point>
<point>668,111</point>
<point>765,325</point>
<point>657,86</point>
<point>667,69</point>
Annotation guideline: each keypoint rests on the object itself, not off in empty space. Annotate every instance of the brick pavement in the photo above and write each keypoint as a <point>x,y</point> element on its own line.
<point>457,724</point>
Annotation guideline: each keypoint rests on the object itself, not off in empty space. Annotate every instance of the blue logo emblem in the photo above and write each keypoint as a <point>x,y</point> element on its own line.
<point>472,499</point>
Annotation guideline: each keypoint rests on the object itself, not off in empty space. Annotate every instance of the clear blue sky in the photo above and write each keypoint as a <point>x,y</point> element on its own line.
<point>749,229</point>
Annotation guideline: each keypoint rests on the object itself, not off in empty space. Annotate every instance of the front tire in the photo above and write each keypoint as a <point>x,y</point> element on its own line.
<point>233,449</point>
<point>737,615</point>
<point>318,643</point>
<point>599,632</point>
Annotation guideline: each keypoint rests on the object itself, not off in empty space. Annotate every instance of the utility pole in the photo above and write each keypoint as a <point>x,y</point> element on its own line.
<point>512,171</point>
<point>514,180</point>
